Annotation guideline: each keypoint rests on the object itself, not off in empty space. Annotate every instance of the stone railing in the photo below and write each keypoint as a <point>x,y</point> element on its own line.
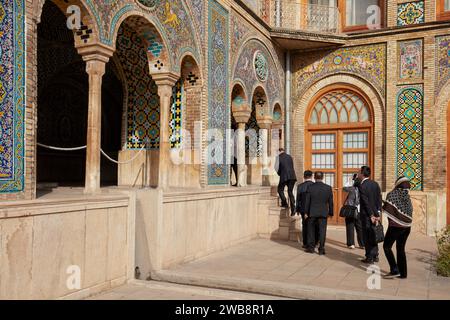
<point>293,15</point>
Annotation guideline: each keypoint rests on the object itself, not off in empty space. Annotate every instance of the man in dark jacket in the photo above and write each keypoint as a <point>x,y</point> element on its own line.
<point>371,204</point>
<point>302,190</point>
<point>319,205</point>
<point>284,166</point>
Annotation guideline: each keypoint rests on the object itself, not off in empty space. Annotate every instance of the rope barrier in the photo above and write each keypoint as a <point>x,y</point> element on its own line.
<point>61,149</point>
<point>84,147</point>
<point>122,162</point>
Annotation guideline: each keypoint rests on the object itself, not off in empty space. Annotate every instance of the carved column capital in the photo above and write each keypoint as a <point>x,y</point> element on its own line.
<point>265,122</point>
<point>165,82</point>
<point>241,112</point>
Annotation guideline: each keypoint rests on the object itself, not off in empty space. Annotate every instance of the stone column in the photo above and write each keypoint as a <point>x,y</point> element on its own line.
<point>95,68</point>
<point>165,82</point>
<point>264,128</point>
<point>241,114</point>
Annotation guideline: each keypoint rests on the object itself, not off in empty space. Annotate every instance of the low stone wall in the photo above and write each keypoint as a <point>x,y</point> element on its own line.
<point>42,239</point>
<point>176,227</point>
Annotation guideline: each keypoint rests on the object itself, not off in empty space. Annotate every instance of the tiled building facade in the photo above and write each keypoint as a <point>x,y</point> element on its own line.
<point>401,70</point>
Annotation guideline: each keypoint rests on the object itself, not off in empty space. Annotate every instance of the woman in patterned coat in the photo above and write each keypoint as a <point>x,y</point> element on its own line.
<point>398,208</point>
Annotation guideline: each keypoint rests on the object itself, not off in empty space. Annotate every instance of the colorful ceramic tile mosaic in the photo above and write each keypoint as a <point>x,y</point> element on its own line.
<point>367,62</point>
<point>143,102</point>
<point>442,62</point>
<point>176,114</point>
<point>198,11</point>
<point>218,113</point>
<point>240,29</point>
<point>12,87</point>
<point>251,71</point>
<point>410,13</point>
<point>253,142</point>
<point>411,59</point>
<point>410,134</point>
<point>172,20</point>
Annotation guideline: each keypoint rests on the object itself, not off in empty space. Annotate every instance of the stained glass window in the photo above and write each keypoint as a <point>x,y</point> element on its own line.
<point>341,106</point>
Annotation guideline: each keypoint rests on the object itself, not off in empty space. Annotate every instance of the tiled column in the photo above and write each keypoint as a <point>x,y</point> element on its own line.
<point>264,128</point>
<point>241,114</point>
<point>165,83</point>
<point>95,68</point>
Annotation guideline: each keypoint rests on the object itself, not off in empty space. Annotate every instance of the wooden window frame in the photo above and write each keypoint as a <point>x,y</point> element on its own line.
<point>441,14</point>
<point>342,8</point>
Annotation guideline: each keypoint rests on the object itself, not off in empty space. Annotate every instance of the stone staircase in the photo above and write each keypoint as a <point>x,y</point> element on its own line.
<point>276,221</point>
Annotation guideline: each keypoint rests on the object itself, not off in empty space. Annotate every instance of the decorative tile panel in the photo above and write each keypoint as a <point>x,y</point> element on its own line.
<point>367,62</point>
<point>411,59</point>
<point>410,134</point>
<point>442,62</point>
<point>411,13</point>
<point>219,113</point>
<point>12,98</point>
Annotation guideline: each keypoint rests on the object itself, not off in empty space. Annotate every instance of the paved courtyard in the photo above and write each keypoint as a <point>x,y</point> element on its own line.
<point>152,290</point>
<point>284,269</point>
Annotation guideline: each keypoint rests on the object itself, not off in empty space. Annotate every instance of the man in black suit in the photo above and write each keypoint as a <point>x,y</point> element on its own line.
<point>319,205</point>
<point>284,166</point>
<point>371,204</point>
<point>302,190</point>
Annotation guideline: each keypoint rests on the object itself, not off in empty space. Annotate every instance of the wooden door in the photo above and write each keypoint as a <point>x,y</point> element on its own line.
<point>339,154</point>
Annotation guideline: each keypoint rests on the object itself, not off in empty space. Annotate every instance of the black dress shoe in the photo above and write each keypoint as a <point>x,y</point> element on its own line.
<point>309,250</point>
<point>368,261</point>
<point>304,246</point>
<point>321,252</point>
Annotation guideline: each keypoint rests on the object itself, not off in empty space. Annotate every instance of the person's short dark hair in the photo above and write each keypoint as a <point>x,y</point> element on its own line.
<point>318,175</point>
<point>365,171</point>
<point>281,150</point>
<point>308,174</point>
<point>355,176</point>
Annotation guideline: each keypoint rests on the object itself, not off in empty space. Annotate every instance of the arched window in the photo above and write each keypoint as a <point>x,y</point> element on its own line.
<point>339,106</point>
<point>339,135</point>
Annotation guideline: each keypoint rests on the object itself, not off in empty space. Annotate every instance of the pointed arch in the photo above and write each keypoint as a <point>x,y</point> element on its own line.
<point>154,40</point>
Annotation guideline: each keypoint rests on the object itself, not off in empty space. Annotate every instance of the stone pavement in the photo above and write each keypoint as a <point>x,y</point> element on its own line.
<point>151,290</point>
<point>284,269</point>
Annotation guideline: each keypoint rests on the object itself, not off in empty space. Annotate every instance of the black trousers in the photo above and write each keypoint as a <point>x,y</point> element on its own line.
<point>371,249</point>
<point>305,231</point>
<point>351,224</point>
<point>290,184</point>
<point>398,235</point>
<point>322,232</point>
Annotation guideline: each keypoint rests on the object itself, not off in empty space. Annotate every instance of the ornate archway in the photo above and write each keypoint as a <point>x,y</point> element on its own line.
<point>339,137</point>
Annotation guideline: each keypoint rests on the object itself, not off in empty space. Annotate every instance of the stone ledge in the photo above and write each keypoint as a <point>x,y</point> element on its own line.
<point>215,193</point>
<point>287,290</point>
<point>48,206</point>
